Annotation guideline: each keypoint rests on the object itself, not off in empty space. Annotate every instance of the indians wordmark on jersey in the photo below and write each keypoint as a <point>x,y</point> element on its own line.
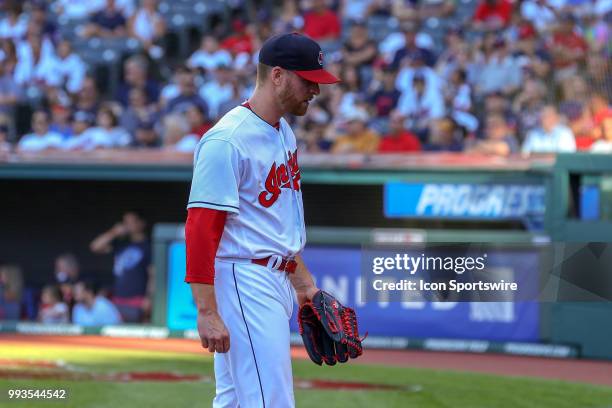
<point>279,178</point>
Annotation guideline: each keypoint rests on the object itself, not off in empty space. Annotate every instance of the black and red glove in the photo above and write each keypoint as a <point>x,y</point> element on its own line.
<point>329,330</point>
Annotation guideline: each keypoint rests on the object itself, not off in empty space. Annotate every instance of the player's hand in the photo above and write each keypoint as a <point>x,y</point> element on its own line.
<point>213,333</point>
<point>306,295</point>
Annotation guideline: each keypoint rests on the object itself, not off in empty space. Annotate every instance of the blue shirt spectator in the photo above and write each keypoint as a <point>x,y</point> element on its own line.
<point>92,310</point>
<point>551,137</point>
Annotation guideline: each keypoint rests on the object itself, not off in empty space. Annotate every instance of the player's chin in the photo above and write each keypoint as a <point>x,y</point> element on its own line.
<point>300,109</point>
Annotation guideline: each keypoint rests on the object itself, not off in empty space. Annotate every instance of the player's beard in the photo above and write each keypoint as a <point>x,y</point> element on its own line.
<point>290,104</point>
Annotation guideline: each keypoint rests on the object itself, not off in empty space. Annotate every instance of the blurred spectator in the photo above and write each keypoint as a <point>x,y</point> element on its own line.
<point>540,13</point>
<point>237,98</point>
<point>67,271</point>
<point>240,41</point>
<point>34,64</point>
<point>458,92</point>
<point>421,104</point>
<point>598,74</point>
<point>321,23</point>
<point>138,111</point>
<point>177,136</point>
<point>76,9</point>
<point>148,27</point>
<point>81,123</point>
<point>41,137</point>
<point>88,99</point>
<point>68,69</point>
<point>384,99</point>
<point>11,289</point>
<point>499,71</point>
<point>107,133</point>
<point>359,49</point>
<point>107,23</point>
<point>533,58</point>
<point>604,137</point>
<point>499,139</point>
<point>209,56</point>
<point>399,139</point>
<point>444,135</point>
<point>314,137</point>
<point>145,136</point>
<point>358,138</point>
<point>410,50</point>
<point>9,90</point>
<point>348,93</point>
<point>135,75</point>
<point>92,309</point>
<point>187,93</point>
<point>40,18</point>
<point>436,8</point>
<point>60,121</point>
<point>198,125</point>
<point>218,90</point>
<point>551,137</point>
<point>52,309</point>
<point>567,47</point>
<point>5,144</point>
<point>599,107</point>
<point>8,56</point>
<point>14,24</point>
<point>492,14</point>
<point>528,104</point>
<point>128,242</point>
<point>454,56</point>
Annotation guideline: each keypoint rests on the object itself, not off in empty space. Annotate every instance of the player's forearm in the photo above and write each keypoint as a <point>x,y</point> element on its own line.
<point>301,279</point>
<point>204,297</point>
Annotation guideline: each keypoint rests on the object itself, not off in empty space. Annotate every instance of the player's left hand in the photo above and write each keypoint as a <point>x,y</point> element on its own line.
<point>306,294</point>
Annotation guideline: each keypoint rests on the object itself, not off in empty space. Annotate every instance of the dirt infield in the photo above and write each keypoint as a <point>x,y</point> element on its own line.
<point>586,371</point>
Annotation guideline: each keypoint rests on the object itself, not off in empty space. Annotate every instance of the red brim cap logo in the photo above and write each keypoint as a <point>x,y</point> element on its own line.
<point>320,58</point>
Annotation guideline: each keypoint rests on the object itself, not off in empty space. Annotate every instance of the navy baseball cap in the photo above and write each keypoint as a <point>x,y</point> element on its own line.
<point>298,53</point>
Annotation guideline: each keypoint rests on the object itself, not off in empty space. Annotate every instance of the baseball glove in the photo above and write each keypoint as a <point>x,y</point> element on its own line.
<point>329,330</point>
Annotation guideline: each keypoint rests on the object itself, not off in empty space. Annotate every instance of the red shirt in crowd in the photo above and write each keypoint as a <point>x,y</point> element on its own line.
<point>322,26</point>
<point>571,42</point>
<point>237,43</point>
<point>501,10</point>
<point>402,143</point>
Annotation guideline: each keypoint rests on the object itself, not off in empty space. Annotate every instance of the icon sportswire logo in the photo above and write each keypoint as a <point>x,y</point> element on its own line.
<point>279,178</point>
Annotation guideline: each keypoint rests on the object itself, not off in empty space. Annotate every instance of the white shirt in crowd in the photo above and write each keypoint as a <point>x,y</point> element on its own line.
<point>70,71</point>
<point>144,24</point>
<point>498,73</point>
<point>210,61</point>
<point>82,9</point>
<point>13,31</point>
<point>397,40</point>
<point>57,313</point>
<point>27,69</point>
<point>98,137</point>
<point>101,313</point>
<point>33,142</point>
<point>601,146</point>
<point>559,140</point>
<point>216,94</point>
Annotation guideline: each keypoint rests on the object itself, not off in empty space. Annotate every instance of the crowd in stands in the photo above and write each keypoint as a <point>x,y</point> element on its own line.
<point>79,298</point>
<point>484,76</point>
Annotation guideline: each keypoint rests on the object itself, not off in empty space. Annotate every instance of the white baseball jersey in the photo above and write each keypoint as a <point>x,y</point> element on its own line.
<point>247,167</point>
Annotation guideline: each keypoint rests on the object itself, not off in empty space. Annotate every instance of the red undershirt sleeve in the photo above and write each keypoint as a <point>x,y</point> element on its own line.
<point>203,231</point>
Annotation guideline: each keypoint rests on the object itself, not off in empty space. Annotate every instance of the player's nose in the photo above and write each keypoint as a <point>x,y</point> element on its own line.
<point>315,89</point>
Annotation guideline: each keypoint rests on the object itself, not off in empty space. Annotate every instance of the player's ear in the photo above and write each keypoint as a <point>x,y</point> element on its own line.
<point>276,75</point>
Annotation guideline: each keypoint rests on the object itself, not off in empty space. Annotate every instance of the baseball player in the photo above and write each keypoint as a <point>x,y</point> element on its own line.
<point>245,229</point>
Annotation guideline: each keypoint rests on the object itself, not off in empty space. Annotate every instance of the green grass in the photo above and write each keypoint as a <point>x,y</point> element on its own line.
<point>438,389</point>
